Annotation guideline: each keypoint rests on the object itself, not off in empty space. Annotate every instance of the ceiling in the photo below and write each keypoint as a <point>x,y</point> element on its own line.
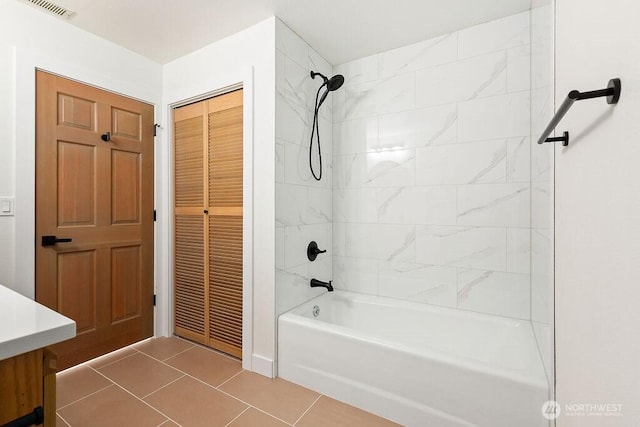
<point>340,30</point>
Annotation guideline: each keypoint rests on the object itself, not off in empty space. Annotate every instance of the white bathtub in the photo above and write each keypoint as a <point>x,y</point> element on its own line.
<point>415,364</point>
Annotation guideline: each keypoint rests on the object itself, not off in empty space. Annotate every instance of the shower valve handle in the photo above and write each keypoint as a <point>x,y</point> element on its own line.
<point>313,251</point>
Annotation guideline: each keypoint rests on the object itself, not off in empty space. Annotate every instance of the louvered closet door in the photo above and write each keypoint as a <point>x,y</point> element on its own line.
<point>190,285</point>
<point>208,222</point>
<point>225,223</point>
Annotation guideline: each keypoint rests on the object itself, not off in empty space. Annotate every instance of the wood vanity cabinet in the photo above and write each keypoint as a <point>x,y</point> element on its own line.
<point>28,381</point>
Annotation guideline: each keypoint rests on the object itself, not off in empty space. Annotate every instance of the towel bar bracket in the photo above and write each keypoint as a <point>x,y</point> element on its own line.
<point>564,139</point>
<point>617,88</point>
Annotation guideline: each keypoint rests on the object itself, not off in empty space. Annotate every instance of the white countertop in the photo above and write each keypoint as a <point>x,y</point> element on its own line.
<point>26,325</point>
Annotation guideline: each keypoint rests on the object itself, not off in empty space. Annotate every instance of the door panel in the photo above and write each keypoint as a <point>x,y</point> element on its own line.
<point>76,112</point>
<point>76,283</point>
<point>76,184</point>
<point>99,194</point>
<point>126,124</point>
<point>225,182</point>
<point>126,283</point>
<point>125,187</point>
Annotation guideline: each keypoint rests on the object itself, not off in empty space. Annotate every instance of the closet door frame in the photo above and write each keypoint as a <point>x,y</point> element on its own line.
<point>246,84</point>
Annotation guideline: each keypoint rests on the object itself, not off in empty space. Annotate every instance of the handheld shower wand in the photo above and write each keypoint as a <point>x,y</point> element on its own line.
<point>334,83</point>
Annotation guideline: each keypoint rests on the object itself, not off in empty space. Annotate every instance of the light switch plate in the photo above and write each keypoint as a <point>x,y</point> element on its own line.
<point>7,206</point>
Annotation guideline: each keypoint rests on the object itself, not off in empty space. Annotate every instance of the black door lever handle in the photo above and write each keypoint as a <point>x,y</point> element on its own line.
<point>52,240</point>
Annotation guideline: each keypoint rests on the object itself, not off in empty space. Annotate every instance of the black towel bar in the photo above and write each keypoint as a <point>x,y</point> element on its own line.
<point>612,92</point>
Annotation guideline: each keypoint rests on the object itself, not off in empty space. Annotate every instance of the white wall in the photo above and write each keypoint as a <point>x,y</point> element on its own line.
<point>431,195</point>
<point>303,205</point>
<point>204,71</point>
<point>598,212</point>
<point>30,39</point>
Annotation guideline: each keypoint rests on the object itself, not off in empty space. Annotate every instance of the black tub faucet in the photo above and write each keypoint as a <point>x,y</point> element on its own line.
<point>315,283</point>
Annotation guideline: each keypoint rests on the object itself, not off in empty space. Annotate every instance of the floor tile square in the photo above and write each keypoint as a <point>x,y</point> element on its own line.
<point>252,418</point>
<point>140,374</point>
<point>192,403</point>
<point>278,397</point>
<point>111,407</point>
<point>205,365</point>
<point>60,422</point>
<point>76,383</point>
<point>163,348</point>
<point>327,412</point>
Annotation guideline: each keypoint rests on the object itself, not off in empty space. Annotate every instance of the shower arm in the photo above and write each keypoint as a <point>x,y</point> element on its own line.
<point>612,92</point>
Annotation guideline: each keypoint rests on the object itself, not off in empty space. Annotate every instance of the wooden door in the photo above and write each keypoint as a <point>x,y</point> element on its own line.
<point>208,222</point>
<point>99,194</point>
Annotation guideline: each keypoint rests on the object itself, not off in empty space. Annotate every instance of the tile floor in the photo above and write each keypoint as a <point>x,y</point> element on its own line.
<point>172,382</point>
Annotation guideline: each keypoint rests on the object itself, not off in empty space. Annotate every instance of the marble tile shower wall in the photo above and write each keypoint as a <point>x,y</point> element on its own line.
<point>303,205</point>
<point>432,176</point>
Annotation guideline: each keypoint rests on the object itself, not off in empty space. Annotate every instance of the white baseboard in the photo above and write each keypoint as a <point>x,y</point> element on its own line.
<point>263,366</point>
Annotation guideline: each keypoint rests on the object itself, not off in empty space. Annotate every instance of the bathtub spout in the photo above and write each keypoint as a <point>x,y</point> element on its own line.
<point>315,283</point>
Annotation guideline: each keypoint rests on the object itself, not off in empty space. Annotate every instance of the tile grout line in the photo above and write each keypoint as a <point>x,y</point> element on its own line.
<point>146,403</point>
<point>62,418</point>
<point>229,379</point>
<point>166,385</point>
<point>84,397</point>
<point>104,356</point>
<point>238,416</point>
<point>215,388</point>
<point>175,355</point>
<point>270,414</point>
<point>194,345</point>
<point>209,349</point>
<point>115,361</point>
<point>308,409</point>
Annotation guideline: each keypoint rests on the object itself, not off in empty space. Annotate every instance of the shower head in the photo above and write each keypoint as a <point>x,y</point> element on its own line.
<point>334,83</point>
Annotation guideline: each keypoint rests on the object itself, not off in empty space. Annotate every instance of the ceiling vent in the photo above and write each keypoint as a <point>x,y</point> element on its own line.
<point>52,8</point>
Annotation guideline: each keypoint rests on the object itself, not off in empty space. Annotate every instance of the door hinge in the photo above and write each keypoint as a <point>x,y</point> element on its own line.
<point>155,129</point>
<point>154,300</point>
<point>155,216</point>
